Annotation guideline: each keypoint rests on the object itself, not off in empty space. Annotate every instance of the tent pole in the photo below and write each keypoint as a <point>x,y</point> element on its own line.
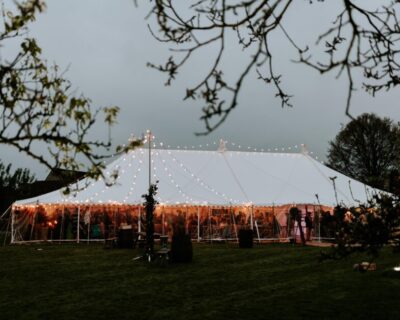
<point>274,218</point>
<point>88,231</point>
<point>149,138</point>
<point>319,225</point>
<point>288,225</point>
<point>163,221</point>
<point>258,232</point>
<point>78,224</point>
<point>8,225</point>
<point>277,232</point>
<point>5,236</point>
<point>33,225</point>
<point>12,225</point>
<point>252,217</point>
<point>306,210</point>
<point>186,220</point>
<point>209,224</point>
<point>198,224</point>
<point>234,223</point>
<point>62,222</point>
<point>115,225</point>
<point>140,220</point>
<point>5,212</point>
<point>295,225</point>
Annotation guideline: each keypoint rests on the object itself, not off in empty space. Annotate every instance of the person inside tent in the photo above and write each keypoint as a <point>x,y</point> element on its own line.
<point>309,225</point>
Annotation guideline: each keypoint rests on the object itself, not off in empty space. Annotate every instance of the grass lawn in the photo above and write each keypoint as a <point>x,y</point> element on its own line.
<point>223,282</point>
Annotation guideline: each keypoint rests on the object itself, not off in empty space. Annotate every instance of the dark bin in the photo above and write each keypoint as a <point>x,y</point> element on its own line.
<point>245,238</point>
<point>125,238</point>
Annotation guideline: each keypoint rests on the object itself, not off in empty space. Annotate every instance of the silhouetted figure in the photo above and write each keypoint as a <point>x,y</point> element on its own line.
<point>309,225</point>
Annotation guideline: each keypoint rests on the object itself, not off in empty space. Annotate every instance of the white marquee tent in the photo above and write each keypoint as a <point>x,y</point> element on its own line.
<point>206,179</point>
<point>219,178</point>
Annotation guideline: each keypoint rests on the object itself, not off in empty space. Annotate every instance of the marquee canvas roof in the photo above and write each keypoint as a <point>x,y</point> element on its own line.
<point>219,178</point>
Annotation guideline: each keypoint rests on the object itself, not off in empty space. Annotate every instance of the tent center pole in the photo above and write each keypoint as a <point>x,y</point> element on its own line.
<point>149,140</point>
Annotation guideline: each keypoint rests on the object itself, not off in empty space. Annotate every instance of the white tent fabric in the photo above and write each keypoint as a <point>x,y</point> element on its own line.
<point>218,178</point>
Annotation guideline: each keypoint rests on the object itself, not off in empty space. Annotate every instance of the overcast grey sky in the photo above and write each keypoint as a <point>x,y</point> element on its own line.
<point>106,45</point>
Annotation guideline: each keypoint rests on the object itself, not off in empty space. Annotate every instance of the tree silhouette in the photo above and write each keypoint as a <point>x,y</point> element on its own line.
<point>360,40</point>
<point>367,149</point>
<point>15,180</point>
<point>150,205</point>
<point>13,184</point>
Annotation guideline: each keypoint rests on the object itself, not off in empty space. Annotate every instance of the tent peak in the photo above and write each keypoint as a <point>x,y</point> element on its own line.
<point>222,146</point>
<point>304,149</point>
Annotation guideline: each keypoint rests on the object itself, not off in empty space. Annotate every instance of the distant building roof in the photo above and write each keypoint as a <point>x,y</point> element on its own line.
<point>65,176</point>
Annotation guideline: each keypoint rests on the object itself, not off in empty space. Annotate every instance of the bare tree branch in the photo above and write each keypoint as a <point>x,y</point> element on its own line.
<point>38,108</point>
<point>360,40</point>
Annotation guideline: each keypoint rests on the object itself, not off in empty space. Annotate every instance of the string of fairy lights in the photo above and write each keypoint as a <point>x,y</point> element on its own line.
<point>211,146</point>
<point>135,159</point>
<point>200,181</point>
<point>172,181</point>
<point>134,177</point>
<point>298,148</point>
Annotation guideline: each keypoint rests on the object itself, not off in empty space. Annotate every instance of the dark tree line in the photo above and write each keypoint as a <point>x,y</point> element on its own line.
<point>14,180</point>
<point>13,184</point>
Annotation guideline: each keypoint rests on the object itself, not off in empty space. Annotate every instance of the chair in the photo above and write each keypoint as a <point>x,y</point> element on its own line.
<point>164,253</point>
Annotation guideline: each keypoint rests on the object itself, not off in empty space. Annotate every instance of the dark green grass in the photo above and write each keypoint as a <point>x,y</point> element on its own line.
<point>223,282</point>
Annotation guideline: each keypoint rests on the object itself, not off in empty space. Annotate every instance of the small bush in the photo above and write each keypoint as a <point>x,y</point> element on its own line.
<point>245,238</point>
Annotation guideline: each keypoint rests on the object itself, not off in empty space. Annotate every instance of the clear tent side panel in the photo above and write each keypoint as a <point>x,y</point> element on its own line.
<point>72,223</point>
<point>100,222</point>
